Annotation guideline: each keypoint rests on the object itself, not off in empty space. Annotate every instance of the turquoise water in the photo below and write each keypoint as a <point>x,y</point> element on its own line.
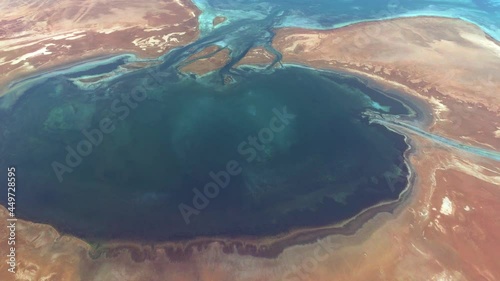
<point>325,165</point>
<point>143,179</point>
<point>328,14</point>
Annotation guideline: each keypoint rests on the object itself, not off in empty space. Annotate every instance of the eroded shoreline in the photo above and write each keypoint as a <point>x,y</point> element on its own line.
<point>274,250</point>
<point>417,231</point>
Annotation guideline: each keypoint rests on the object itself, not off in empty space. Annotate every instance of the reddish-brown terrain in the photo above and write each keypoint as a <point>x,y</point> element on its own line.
<point>450,64</point>
<point>257,57</point>
<point>207,60</point>
<point>218,20</point>
<point>38,34</point>
<point>214,58</point>
<point>446,228</point>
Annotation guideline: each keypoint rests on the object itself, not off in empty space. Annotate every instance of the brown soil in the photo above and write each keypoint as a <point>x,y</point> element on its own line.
<point>207,60</point>
<point>218,20</point>
<point>41,34</point>
<point>445,228</point>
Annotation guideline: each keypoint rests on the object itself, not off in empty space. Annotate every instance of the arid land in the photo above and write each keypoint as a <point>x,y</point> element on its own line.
<point>37,35</point>
<point>446,227</point>
<point>206,61</point>
<point>450,64</point>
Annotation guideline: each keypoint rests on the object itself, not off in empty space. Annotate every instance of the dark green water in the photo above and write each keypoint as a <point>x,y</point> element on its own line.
<point>322,166</point>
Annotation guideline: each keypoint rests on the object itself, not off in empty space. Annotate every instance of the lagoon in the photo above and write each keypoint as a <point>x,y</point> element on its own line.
<point>322,164</point>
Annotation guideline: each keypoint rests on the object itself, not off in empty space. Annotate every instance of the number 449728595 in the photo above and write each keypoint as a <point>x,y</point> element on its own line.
<point>11,190</point>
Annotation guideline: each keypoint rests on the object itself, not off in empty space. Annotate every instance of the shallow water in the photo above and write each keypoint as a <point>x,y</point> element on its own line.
<point>328,13</point>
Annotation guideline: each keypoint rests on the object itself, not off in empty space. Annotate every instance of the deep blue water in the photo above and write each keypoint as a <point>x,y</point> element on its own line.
<point>326,165</point>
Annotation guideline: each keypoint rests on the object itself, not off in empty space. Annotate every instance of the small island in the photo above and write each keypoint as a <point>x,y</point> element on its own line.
<point>218,20</point>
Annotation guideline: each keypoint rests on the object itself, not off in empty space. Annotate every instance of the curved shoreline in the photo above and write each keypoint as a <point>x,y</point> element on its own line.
<point>495,34</point>
<point>270,246</point>
<point>17,86</point>
<point>346,227</point>
<point>358,228</point>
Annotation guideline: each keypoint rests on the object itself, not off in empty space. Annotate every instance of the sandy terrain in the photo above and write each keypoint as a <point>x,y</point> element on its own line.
<point>39,34</point>
<point>447,227</point>
<point>218,20</point>
<point>451,64</point>
<point>257,57</point>
<point>207,60</point>
<point>214,58</point>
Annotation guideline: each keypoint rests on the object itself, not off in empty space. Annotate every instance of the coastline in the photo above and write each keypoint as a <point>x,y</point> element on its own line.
<point>103,57</point>
<point>133,29</point>
<point>383,86</point>
<point>272,246</point>
<point>358,230</point>
<point>494,33</point>
<point>396,63</point>
<point>266,246</point>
